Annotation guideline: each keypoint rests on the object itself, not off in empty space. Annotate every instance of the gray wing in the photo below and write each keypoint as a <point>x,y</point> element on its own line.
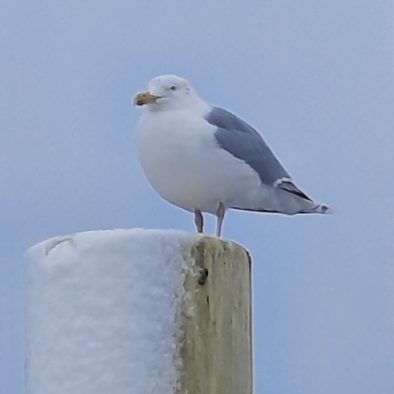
<point>245,143</point>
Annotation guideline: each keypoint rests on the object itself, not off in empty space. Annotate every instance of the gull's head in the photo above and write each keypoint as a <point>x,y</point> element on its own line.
<point>167,92</point>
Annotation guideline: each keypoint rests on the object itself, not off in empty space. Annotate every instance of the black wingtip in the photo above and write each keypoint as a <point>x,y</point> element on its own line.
<point>324,209</point>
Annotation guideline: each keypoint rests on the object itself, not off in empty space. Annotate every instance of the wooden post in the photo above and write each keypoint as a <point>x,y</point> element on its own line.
<point>217,347</point>
<point>138,312</point>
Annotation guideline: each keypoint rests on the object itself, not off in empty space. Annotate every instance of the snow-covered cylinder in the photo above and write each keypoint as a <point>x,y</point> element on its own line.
<point>137,312</point>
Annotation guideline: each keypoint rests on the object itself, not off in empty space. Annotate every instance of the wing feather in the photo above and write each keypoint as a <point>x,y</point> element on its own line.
<point>245,143</point>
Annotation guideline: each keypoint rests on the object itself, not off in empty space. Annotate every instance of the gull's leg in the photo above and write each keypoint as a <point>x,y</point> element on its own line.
<point>220,216</point>
<point>198,220</point>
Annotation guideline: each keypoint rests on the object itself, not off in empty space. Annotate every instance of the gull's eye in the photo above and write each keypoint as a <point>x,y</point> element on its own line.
<point>173,87</point>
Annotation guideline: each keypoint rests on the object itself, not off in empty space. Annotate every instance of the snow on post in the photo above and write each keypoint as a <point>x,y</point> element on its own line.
<point>137,312</point>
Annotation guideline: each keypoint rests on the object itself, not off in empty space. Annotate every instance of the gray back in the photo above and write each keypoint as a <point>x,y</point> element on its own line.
<point>245,143</point>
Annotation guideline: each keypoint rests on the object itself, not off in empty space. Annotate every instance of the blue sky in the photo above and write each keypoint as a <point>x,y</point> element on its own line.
<point>316,78</point>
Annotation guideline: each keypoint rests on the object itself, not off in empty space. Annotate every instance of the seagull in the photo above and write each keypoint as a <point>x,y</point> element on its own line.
<point>203,158</point>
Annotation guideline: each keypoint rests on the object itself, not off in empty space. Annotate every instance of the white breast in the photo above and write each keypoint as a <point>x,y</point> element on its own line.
<point>181,159</point>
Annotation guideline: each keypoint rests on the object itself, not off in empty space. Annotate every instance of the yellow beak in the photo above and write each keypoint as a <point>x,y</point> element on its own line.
<point>144,98</point>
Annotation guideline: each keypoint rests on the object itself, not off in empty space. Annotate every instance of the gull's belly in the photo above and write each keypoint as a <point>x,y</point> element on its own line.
<point>182,161</point>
